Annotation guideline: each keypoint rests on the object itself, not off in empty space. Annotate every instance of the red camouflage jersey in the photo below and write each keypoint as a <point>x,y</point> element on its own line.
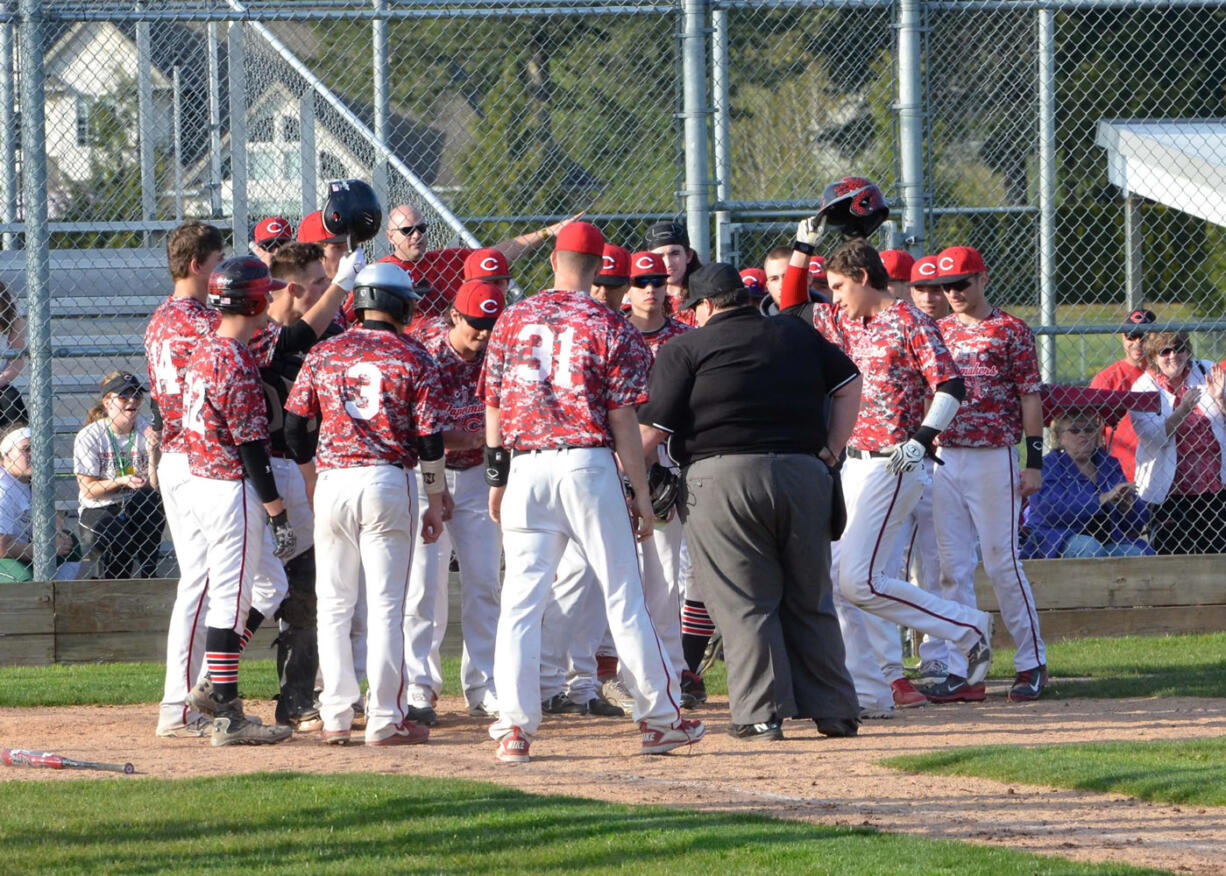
<point>998,361</point>
<point>556,364</point>
<point>672,307</point>
<point>901,356</point>
<point>458,379</point>
<point>671,328</point>
<point>224,407</point>
<point>375,392</point>
<point>174,330</point>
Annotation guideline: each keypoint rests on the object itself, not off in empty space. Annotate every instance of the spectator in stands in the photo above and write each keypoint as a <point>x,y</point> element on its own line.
<point>12,338</point>
<point>16,526</point>
<point>1118,436</point>
<point>121,515</point>
<point>1181,450</point>
<point>1086,507</point>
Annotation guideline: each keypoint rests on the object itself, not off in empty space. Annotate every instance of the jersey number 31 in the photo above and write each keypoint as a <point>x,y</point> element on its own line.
<point>540,340</point>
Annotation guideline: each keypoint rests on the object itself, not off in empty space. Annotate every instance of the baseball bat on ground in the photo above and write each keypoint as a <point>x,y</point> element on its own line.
<point>22,757</point>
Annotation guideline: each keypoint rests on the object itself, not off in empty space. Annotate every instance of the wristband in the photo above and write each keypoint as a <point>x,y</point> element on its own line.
<point>1034,451</point>
<point>807,248</point>
<point>432,475</point>
<point>497,466</point>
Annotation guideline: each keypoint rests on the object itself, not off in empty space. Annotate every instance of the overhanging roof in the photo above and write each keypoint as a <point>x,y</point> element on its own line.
<point>1177,162</point>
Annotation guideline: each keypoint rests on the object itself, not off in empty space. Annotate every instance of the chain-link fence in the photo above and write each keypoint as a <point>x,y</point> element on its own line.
<point>1075,144</point>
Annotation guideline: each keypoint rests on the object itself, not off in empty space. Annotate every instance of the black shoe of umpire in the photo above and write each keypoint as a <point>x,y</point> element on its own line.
<point>561,704</point>
<point>771,729</point>
<point>837,727</point>
<point>424,715</point>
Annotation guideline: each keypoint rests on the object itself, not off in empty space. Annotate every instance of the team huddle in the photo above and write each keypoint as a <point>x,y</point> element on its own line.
<point>331,434</point>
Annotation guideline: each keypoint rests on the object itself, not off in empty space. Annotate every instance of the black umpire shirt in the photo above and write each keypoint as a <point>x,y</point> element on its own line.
<point>744,383</point>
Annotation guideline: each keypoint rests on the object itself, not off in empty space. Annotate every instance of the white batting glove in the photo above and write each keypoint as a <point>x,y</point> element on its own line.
<point>348,269</point>
<point>810,230</point>
<point>906,457</point>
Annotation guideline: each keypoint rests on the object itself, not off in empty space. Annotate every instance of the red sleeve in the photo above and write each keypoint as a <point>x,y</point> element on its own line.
<point>795,287</point>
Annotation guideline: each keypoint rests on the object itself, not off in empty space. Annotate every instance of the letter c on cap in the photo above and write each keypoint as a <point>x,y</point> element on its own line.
<point>489,263</point>
<point>275,227</point>
<point>489,306</point>
<point>927,269</point>
<point>946,263</point>
<point>645,263</point>
<point>609,263</point>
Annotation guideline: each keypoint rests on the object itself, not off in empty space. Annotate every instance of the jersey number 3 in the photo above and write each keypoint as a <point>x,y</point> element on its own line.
<point>367,381</point>
<point>540,339</point>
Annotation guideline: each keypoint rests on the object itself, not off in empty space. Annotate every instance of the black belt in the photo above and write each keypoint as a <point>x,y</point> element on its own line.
<point>515,452</point>
<point>855,453</point>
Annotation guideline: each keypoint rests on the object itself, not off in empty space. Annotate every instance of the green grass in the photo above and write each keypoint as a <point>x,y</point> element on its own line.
<point>377,824</point>
<point>1133,666</point>
<point>1191,772</point>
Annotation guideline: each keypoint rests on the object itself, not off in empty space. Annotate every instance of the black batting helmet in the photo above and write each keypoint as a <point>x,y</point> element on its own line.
<point>854,206</point>
<point>352,211</point>
<point>386,287</point>
<point>241,285</point>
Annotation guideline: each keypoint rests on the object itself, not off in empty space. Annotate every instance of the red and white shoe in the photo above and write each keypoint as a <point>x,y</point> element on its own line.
<point>404,733</point>
<point>658,740</point>
<point>513,748</point>
<point>906,696</point>
<point>334,737</point>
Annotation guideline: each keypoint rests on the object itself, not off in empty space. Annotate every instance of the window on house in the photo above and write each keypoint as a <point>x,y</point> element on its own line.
<point>264,165</point>
<point>291,129</point>
<point>260,130</point>
<point>85,111</point>
<point>331,167</point>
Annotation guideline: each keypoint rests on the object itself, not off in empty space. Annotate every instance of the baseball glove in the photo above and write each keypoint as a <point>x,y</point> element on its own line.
<point>665,486</point>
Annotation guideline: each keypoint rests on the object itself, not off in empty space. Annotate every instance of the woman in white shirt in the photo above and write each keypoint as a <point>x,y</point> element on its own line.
<point>121,515</point>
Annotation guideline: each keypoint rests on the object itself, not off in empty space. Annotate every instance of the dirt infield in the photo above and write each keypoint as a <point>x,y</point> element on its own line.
<point>803,777</point>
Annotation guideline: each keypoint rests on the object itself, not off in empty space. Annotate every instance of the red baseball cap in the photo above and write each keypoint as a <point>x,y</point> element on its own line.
<point>480,303</point>
<point>580,237</point>
<point>958,263</point>
<point>486,264</point>
<point>615,266</point>
<point>273,230</point>
<point>817,269</point>
<point>755,281</point>
<point>924,271</point>
<point>311,230</point>
<point>647,264</point>
<point>898,263</point>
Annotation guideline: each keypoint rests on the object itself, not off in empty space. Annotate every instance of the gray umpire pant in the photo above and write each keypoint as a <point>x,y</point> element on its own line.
<point>758,528</point>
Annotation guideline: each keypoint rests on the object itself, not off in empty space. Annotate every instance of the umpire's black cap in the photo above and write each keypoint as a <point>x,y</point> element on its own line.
<point>711,280</point>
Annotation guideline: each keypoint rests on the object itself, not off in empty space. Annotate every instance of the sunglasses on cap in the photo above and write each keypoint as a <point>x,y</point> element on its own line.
<point>652,282</point>
<point>1172,350</point>
<point>407,230</point>
<point>960,286</point>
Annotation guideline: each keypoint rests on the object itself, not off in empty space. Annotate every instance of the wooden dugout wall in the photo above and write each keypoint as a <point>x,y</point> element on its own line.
<point>106,621</point>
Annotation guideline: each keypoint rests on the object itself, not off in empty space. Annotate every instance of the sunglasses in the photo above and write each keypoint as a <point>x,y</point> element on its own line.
<point>1079,430</point>
<point>960,286</point>
<point>652,282</point>
<point>407,230</point>
<point>1171,351</point>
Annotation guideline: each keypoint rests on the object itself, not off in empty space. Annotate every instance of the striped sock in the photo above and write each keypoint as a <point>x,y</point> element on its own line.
<point>696,631</point>
<point>221,653</point>
<point>254,619</point>
<point>606,666</point>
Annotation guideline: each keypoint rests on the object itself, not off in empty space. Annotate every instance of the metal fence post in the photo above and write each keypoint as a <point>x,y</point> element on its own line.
<point>145,121</point>
<point>306,143</point>
<point>911,125</point>
<point>214,122</point>
<point>1047,190</point>
<point>177,116</point>
<point>8,146</point>
<point>1134,236</point>
<point>380,70</point>
<point>695,111</point>
<point>721,125</point>
<point>238,138</point>
<point>38,287</point>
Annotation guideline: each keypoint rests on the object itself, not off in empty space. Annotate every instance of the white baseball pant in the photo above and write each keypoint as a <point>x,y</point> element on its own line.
<point>477,543</point>
<point>877,504</point>
<point>862,641</point>
<point>365,521</point>
<point>234,522</point>
<point>573,626</point>
<point>554,496</point>
<point>185,636</point>
<point>976,491</point>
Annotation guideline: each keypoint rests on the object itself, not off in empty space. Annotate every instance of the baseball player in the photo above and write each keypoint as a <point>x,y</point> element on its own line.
<point>231,485</point>
<point>562,376</point>
<point>269,234</point>
<point>489,265</point>
<point>901,355</point>
<point>457,345</point>
<point>613,279</point>
<point>193,250</point>
<point>979,488</point>
<point>898,264</point>
<point>671,242</point>
<point>755,281</point>
<point>376,394</point>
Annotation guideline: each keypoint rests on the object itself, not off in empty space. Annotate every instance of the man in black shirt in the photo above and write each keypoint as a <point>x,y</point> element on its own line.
<point>743,406</point>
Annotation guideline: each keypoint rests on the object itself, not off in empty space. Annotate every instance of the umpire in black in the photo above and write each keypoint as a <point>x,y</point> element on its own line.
<point>743,406</point>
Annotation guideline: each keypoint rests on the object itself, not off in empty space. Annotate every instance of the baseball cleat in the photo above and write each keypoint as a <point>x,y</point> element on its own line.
<point>616,692</point>
<point>693,685</point>
<point>424,715</point>
<point>955,689</point>
<point>876,714</point>
<point>232,727</point>
<point>335,737</point>
<point>658,740</point>
<point>404,733</point>
<point>906,696</point>
<point>200,697</point>
<point>930,672</point>
<point>201,725</point>
<point>602,708</point>
<point>837,728</point>
<point>1029,685</point>
<point>770,730</point>
<point>979,658</point>
<point>512,748</point>
<point>561,704</point>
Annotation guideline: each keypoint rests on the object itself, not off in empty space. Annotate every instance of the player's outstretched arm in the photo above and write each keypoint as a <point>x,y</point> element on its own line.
<point>324,311</point>
<point>514,247</point>
<point>946,399</point>
<point>624,424</point>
